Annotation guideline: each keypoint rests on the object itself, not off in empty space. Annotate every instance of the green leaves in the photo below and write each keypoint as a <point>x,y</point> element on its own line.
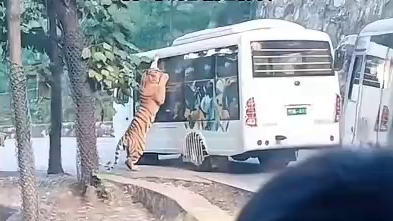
<point>92,73</point>
<point>111,67</point>
<point>106,46</point>
<point>106,2</point>
<point>99,56</point>
<point>86,53</point>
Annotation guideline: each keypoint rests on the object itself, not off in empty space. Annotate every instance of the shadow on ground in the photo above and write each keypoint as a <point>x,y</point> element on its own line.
<point>232,167</point>
<point>6,212</point>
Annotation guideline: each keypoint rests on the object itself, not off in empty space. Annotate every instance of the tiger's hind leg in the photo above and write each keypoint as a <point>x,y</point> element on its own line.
<point>133,159</point>
<point>131,165</point>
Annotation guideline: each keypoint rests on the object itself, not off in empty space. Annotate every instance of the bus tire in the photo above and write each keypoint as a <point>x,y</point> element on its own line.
<point>195,152</point>
<point>148,159</point>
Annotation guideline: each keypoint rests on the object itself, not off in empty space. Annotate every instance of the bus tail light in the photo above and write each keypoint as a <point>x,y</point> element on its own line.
<point>337,109</point>
<point>384,120</point>
<point>251,115</point>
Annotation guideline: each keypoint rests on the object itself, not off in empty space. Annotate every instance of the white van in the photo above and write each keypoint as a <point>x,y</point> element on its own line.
<point>244,90</point>
<point>368,96</point>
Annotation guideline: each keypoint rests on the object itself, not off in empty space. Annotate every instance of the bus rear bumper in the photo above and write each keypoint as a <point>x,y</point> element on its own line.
<point>318,138</point>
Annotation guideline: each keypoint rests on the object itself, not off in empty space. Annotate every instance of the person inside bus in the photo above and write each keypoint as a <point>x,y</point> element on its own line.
<point>207,106</point>
<point>230,98</point>
<point>338,186</point>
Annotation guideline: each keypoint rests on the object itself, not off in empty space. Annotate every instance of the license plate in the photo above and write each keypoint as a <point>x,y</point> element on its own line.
<point>296,111</point>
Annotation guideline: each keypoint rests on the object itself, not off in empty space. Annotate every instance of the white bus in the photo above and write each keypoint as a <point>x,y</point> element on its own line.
<point>262,89</point>
<point>368,97</point>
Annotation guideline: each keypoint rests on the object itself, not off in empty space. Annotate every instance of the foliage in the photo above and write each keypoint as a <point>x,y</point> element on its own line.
<point>111,63</point>
<point>35,62</point>
<point>33,17</point>
<point>158,24</point>
<point>116,30</point>
<point>113,26</point>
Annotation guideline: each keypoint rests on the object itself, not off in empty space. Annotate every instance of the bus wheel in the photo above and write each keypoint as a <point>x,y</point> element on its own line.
<point>194,152</point>
<point>148,159</point>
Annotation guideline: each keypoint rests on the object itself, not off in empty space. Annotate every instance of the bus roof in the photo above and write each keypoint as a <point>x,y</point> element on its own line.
<point>225,41</point>
<point>234,39</point>
<point>234,29</point>
<point>383,26</point>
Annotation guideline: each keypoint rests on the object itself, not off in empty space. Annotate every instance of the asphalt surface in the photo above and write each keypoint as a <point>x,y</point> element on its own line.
<point>245,175</point>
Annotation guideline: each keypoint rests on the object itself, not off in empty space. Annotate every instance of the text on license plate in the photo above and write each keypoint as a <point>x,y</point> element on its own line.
<point>296,111</point>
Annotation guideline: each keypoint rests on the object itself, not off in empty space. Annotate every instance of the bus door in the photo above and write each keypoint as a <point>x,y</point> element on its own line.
<point>371,108</point>
<point>354,82</point>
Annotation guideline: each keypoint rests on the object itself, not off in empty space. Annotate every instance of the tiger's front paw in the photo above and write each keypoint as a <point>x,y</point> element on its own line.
<point>164,78</point>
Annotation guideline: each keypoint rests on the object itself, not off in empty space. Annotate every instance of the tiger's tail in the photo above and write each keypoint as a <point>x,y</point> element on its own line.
<point>119,145</point>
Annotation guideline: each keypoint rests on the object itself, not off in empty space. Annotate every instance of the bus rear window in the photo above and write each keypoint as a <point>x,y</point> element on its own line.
<point>283,58</point>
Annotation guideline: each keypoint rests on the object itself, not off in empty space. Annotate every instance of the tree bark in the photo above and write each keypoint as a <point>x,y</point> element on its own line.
<point>18,84</point>
<point>74,43</point>
<point>338,17</point>
<point>55,164</point>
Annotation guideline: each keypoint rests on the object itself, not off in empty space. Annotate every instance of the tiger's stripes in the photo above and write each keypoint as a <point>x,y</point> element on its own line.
<point>151,98</point>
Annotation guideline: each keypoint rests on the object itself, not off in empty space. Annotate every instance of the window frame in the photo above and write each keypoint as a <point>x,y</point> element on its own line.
<point>215,79</point>
<point>302,46</point>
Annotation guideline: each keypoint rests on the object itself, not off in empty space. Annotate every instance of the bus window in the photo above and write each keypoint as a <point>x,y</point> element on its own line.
<point>281,58</point>
<point>385,40</point>
<point>202,86</point>
<point>372,71</point>
<point>199,88</point>
<point>227,87</point>
<point>355,76</point>
<point>200,66</point>
<point>173,108</point>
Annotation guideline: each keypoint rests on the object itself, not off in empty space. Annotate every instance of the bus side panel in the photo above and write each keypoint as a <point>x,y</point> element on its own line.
<point>202,96</point>
<point>349,118</point>
<point>166,138</point>
<point>226,143</point>
<point>365,133</point>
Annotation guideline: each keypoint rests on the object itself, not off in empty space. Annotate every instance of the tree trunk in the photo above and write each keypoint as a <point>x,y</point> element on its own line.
<point>18,84</point>
<point>338,18</point>
<point>55,164</point>
<point>74,43</point>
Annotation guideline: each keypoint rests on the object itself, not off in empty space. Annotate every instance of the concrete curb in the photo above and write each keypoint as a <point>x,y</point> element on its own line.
<point>169,202</point>
<point>15,217</point>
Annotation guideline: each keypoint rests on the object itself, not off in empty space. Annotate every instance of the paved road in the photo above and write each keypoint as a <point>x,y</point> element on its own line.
<point>243,175</point>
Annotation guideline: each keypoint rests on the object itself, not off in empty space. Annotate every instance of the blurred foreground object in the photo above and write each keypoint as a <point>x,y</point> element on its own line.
<point>340,185</point>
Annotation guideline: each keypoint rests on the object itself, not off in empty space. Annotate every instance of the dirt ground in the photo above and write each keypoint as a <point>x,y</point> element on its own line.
<point>58,201</point>
<point>227,198</point>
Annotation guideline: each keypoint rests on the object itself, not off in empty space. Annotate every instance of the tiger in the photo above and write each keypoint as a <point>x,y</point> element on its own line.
<point>152,96</point>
